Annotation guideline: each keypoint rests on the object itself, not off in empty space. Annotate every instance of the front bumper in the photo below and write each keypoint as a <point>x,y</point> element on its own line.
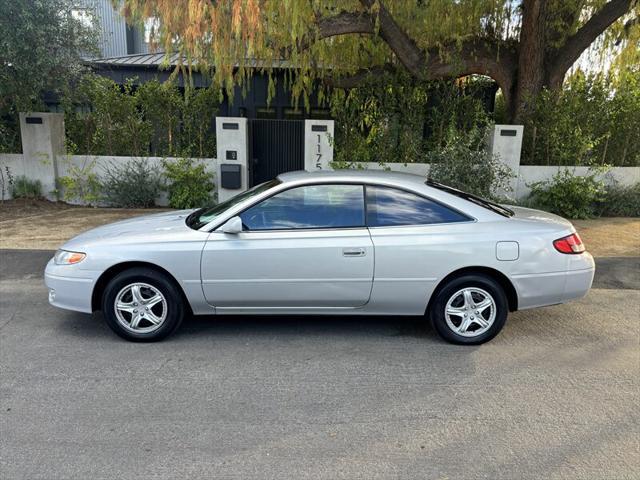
<point>70,287</point>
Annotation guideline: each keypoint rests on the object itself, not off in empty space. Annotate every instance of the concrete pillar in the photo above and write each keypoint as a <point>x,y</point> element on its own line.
<point>318,144</point>
<point>505,142</point>
<point>43,140</point>
<point>232,139</point>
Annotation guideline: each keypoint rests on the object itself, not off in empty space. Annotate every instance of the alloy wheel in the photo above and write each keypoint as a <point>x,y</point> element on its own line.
<point>140,308</point>
<point>470,312</point>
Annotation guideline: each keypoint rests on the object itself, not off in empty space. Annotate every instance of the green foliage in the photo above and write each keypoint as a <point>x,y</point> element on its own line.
<point>134,184</point>
<point>570,195</point>
<point>41,48</point>
<point>190,185</point>
<point>81,183</point>
<point>464,163</point>
<point>22,187</point>
<point>103,119</point>
<point>153,119</point>
<point>397,119</point>
<point>226,37</point>
<point>621,201</point>
<point>10,134</point>
<point>591,121</point>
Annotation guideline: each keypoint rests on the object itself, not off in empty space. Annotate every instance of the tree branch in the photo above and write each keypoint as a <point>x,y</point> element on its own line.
<point>360,77</point>
<point>408,53</point>
<point>344,23</point>
<point>585,36</point>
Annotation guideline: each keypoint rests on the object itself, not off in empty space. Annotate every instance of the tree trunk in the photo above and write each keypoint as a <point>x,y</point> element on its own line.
<point>531,58</point>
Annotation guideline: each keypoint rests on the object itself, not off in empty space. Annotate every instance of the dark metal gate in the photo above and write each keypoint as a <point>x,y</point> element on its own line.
<point>277,146</point>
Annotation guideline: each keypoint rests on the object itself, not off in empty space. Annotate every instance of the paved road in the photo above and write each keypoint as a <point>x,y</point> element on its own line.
<point>554,396</point>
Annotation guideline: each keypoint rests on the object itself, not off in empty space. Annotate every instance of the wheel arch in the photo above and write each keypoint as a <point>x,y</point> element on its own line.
<point>498,276</point>
<point>112,271</point>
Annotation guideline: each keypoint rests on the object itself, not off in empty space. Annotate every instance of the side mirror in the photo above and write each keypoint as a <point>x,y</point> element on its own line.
<point>233,225</point>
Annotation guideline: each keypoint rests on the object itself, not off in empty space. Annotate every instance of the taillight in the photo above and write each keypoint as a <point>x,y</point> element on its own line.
<point>569,244</point>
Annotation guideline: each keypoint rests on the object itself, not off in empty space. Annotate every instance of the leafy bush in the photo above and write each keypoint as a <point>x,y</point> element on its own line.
<point>396,119</point>
<point>104,118</point>
<point>101,118</point>
<point>570,195</point>
<point>134,184</point>
<point>466,165</point>
<point>22,187</point>
<point>190,185</point>
<point>621,201</point>
<point>593,120</point>
<point>81,183</point>
<point>9,133</point>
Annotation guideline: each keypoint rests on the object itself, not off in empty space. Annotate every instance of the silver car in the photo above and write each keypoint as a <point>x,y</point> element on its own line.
<point>331,243</point>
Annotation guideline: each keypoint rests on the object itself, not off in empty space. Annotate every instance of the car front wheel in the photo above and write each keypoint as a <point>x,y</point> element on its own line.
<point>142,305</point>
<point>470,310</point>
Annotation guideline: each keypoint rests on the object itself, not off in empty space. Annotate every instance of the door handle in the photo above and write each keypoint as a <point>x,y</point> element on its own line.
<point>354,252</point>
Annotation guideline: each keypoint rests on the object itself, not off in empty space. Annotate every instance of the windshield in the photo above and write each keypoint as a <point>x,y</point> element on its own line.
<point>201,217</point>
<point>489,205</point>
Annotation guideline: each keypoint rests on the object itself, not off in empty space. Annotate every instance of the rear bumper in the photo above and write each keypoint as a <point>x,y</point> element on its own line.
<point>539,290</point>
<point>69,287</point>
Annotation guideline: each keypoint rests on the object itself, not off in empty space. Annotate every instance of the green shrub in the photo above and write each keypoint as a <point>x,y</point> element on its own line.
<point>398,119</point>
<point>134,184</point>
<point>621,201</point>
<point>81,183</point>
<point>570,195</point>
<point>190,185</point>
<point>466,165</point>
<point>592,120</point>
<point>153,118</point>
<point>23,187</point>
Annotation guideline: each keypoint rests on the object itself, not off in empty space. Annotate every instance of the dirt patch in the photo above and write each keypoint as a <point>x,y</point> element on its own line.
<point>38,224</point>
<point>610,237</point>
<point>43,225</point>
<point>23,208</point>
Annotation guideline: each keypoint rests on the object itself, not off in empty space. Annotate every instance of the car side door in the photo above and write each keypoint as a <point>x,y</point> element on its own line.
<point>416,239</point>
<point>305,247</point>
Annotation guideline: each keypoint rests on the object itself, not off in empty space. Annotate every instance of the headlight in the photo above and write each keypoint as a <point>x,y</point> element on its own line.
<point>63,257</point>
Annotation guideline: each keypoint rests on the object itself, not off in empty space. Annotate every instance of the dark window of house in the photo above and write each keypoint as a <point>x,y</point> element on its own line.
<point>387,207</point>
<point>311,206</point>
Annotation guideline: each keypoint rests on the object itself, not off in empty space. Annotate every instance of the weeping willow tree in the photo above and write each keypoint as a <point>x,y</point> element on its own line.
<point>524,46</point>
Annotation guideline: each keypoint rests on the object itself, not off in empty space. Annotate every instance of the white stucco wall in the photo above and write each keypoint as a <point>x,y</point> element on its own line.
<point>528,174</point>
<point>17,165</point>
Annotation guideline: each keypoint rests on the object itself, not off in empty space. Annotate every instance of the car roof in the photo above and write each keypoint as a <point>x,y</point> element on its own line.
<point>353,175</point>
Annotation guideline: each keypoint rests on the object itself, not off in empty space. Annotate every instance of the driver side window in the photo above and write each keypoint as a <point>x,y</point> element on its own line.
<point>310,206</point>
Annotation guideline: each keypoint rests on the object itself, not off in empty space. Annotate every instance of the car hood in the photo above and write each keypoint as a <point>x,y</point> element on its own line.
<point>147,226</point>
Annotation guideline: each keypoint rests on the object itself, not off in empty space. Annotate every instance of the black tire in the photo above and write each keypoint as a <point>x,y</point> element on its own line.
<point>445,293</point>
<point>173,302</point>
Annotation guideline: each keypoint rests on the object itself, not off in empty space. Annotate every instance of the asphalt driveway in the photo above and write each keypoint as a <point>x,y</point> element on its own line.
<point>555,395</point>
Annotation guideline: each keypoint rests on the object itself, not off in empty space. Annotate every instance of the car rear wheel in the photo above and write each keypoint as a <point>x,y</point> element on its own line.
<point>469,310</point>
<point>142,305</point>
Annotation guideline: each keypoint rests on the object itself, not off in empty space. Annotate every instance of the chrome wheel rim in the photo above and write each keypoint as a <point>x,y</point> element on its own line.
<point>470,312</point>
<point>140,308</point>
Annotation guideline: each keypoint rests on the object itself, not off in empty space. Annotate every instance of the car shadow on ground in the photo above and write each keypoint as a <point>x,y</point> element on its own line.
<point>88,326</point>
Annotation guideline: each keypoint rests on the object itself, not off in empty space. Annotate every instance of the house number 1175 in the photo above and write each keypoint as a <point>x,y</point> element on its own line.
<point>318,155</point>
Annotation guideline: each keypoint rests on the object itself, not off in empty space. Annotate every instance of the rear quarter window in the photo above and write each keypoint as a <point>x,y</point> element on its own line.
<point>387,207</point>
